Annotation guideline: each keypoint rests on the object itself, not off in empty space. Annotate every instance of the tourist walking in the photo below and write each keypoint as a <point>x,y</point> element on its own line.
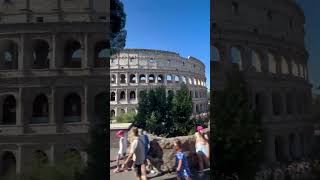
<point>137,152</point>
<point>183,170</point>
<point>122,149</point>
<point>202,150</point>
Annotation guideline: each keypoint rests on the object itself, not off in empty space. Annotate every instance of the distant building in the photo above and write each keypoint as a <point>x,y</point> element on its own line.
<point>134,70</point>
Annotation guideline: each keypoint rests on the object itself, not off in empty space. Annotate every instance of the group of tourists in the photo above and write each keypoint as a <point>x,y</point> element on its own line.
<point>139,149</point>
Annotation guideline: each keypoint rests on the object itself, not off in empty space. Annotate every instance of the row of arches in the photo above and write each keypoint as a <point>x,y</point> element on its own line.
<point>8,161</point>
<point>123,95</point>
<point>151,78</point>
<point>289,148</point>
<point>282,103</point>
<point>72,108</point>
<point>262,62</point>
<point>39,54</point>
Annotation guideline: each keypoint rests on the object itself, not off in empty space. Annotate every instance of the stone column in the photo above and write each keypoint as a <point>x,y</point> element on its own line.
<point>165,79</point>
<point>18,159</point>
<point>88,58</point>
<point>85,104</point>
<point>51,154</point>
<point>24,59</point>
<point>52,106</point>
<point>56,60</point>
<point>20,112</point>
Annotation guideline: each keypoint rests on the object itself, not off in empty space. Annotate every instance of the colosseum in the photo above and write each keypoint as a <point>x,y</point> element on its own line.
<point>134,70</point>
<point>265,41</point>
<point>52,78</point>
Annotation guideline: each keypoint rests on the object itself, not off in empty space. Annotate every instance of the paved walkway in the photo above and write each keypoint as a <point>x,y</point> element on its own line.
<point>131,176</point>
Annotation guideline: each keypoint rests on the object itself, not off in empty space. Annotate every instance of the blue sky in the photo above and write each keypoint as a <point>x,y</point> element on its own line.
<point>181,26</point>
<point>312,14</point>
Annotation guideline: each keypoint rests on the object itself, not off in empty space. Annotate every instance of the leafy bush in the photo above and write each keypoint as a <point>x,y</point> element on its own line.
<point>126,117</point>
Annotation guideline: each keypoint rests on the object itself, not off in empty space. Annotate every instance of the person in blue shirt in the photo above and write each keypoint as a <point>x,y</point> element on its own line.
<point>182,165</point>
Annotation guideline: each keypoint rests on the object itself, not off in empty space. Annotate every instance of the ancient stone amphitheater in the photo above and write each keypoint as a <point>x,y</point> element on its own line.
<point>134,70</point>
<point>52,78</point>
<point>265,40</point>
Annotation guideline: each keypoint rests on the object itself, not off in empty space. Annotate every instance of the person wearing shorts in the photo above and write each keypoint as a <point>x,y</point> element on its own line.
<point>137,152</point>
<point>183,170</point>
<point>122,149</point>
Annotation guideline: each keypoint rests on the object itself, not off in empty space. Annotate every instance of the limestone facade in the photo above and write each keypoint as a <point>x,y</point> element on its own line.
<point>134,70</point>
<point>53,70</point>
<point>265,41</point>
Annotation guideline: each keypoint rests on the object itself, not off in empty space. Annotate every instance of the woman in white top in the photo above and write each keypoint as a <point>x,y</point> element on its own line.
<point>202,150</point>
<point>122,149</point>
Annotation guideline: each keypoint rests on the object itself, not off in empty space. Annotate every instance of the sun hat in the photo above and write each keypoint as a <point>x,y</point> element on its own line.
<point>200,129</point>
<point>120,133</point>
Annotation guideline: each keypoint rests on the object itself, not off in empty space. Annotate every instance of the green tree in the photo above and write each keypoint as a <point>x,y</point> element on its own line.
<point>143,110</point>
<point>126,117</point>
<point>182,111</point>
<point>118,20</point>
<point>237,130</point>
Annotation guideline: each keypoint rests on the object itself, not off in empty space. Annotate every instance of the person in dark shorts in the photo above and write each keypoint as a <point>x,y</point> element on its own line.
<point>137,152</point>
<point>182,165</point>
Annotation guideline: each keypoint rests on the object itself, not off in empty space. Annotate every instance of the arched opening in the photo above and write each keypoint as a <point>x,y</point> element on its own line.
<point>215,53</point>
<point>292,146</point>
<point>100,104</point>
<point>294,68</point>
<point>72,54</point>
<point>290,103</point>
<point>276,103</point>
<point>256,61</point>
<point>40,157</point>
<point>122,95</point>
<point>113,79</point>
<point>142,78</point>
<point>112,96</point>
<point>9,110</point>
<point>191,94</point>
<point>72,108</point>
<point>197,108</point>
<point>284,66</point>
<point>101,54</point>
<point>8,165</point>
<point>272,64</point>
<point>133,78</point>
<point>151,78</point>
<point>40,54</point>
<point>169,78</point>
<point>132,95</point>
<point>278,145</point>
<point>122,111</point>
<point>259,103</point>
<point>160,78</point>
<point>184,80</point>
<point>177,79</point>
<point>9,54</point>
<point>113,114</point>
<point>122,78</point>
<point>236,57</point>
<point>40,113</point>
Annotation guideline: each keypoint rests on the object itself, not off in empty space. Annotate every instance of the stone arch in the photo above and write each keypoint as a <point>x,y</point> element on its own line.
<point>256,60</point>
<point>133,78</point>
<point>100,103</point>
<point>9,108</point>
<point>8,54</point>
<point>276,103</point>
<point>294,68</point>
<point>191,94</point>
<point>177,78</point>
<point>40,52</point>
<point>40,157</point>
<point>8,165</point>
<point>184,80</point>
<point>122,95</point>
<point>40,111</point>
<point>197,108</point>
<point>112,96</point>
<point>142,78</point>
<point>113,78</point>
<point>112,113</point>
<point>215,53</point>
<point>132,95</point>
<point>72,54</point>
<point>122,78</point>
<point>169,78</point>
<point>284,65</point>
<point>101,54</point>
<point>151,78</point>
<point>236,56</point>
<point>272,63</point>
<point>72,108</point>
<point>160,78</point>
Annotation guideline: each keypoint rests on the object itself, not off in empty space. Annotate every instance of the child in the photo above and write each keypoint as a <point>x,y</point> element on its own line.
<point>122,149</point>
<point>183,170</point>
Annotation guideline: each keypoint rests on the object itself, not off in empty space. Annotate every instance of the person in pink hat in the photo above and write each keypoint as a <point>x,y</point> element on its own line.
<point>201,130</point>
<point>122,150</point>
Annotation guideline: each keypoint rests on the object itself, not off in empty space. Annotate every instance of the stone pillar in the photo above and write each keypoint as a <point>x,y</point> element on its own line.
<point>165,79</point>
<point>52,106</point>
<point>25,55</point>
<point>57,58</point>
<point>1,109</point>
<point>88,52</point>
<point>51,154</point>
<point>20,112</point>
<point>85,105</point>
<point>18,159</point>
<point>284,106</point>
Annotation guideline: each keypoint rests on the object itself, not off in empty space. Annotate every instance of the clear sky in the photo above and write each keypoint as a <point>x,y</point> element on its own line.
<point>181,26</point>
<point>312,14</point>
